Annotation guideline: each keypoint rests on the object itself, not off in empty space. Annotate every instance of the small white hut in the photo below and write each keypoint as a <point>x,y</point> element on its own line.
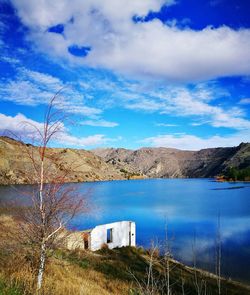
<point>116,234</point>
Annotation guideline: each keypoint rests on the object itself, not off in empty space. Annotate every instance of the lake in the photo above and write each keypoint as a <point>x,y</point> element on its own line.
<point>190,210</point>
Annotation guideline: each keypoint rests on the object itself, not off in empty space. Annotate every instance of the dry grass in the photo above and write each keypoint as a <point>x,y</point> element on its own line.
<point>63,278</point>
<point>104,272</point>
<point>66,279</point>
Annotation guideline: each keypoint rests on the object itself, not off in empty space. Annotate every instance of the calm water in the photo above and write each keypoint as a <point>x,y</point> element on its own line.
<point>188,207</point>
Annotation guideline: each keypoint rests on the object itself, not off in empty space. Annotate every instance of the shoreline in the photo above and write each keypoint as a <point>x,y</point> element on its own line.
<point>137,178</point>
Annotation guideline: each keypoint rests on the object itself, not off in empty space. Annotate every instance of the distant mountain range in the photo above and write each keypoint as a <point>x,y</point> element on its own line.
<point>111,163</point>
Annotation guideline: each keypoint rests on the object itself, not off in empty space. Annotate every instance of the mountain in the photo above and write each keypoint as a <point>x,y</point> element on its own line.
<point>110,163</point>
<point>170,163</point>
<point>82,165</point>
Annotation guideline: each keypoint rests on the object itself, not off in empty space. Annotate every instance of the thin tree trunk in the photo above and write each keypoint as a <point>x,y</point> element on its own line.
<point>167,256</point>
<point>41,267</point>
<point>182,284</point>
<point>41,188</point>
<point>43,245</point>
<point>168,277</point>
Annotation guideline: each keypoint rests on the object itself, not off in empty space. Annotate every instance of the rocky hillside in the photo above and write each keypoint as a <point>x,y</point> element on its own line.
<point>170,163</point>
<point>78,165</point>
<point>109,164</point>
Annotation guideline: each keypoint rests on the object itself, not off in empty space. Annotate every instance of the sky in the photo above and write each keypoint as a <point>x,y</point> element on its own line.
<point>131,73</point>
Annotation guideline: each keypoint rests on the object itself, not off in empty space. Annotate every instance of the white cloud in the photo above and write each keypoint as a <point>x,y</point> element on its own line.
<point>17,125</point>
<point>35,88</point>
<point>23,127</point>
<point>181,101</point>
<point>200,123</point>
<point>44,13</point>
<point>245,101</point>
<point>144,49</point>
<point>230,119</point>
<point>43,79</point>
<point>10,60</point>
<point>143,104</point>
<point>92,140</point>
<point>192,142</point>
<point>99,123</point>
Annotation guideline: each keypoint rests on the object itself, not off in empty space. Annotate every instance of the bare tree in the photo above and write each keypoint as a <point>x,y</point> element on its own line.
<point>51,204</point>
<point>151,284</point>
<point>158,272</point>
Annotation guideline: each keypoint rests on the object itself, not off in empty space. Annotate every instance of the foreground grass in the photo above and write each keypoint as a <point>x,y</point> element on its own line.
<point>129,265</point>
<point>9,289</point>
<point>105,272</point>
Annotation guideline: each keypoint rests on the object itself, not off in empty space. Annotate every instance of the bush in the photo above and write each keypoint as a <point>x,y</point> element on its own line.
<point>237,174</point>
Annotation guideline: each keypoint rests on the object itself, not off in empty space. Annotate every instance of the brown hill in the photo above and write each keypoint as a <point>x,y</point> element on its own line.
<point>170,163</point>
<point>84,165</point>
<point>110,163</point>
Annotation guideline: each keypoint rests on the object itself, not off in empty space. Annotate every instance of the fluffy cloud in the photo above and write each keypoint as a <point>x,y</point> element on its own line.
<point>192,142</point>
<point>23,127</point>
<point>18,124</point>
<point>44,13</point>
<point>143,49</point>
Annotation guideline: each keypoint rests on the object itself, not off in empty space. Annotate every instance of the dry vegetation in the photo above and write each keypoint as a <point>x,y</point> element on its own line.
<point>66,272</point>
<point>118,272</point>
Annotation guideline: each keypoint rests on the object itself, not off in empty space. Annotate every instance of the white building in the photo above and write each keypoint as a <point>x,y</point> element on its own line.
<point>116,234</point>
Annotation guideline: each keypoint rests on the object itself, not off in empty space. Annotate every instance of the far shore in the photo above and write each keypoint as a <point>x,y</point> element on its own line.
<point>136,178</point>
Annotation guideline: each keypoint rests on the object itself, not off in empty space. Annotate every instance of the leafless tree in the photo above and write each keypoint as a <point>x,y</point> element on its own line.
<point>151,284</point>
<point>158,282</point>
<point>51,204</point>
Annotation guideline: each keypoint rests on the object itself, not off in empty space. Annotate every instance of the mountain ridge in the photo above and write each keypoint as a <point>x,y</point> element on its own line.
<point>80,165</point>
<point>120,163</point>
<point>170,163</point>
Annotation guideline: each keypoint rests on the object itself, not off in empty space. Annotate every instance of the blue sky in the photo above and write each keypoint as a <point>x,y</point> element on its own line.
<point>134,73</point>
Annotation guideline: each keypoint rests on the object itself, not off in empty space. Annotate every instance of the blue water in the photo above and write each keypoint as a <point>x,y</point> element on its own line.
<point>187,209</point>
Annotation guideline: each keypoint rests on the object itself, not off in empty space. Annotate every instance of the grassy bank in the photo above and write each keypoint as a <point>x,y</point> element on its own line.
<point>118,271</point>
<point>126,270</point>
